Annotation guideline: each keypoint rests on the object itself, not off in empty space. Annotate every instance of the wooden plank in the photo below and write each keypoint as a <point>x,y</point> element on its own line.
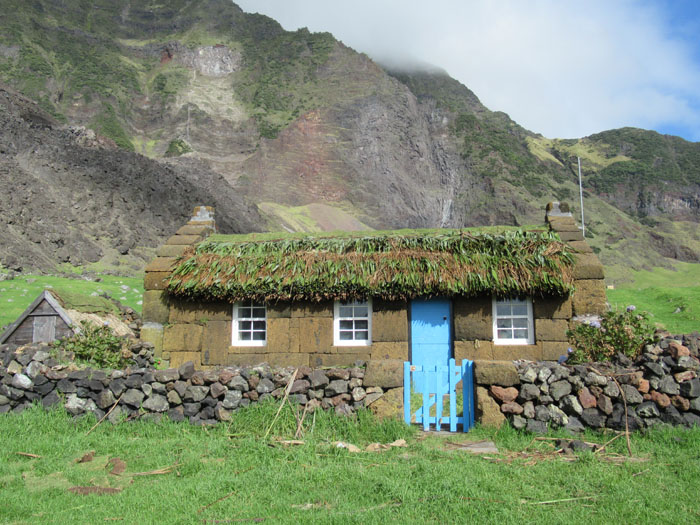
<point>43,308</point>
<point>62,329</point>
<point>23,333</point>
<point>44,329</point>
<point>453,395</point>
<point>438,397</point>
<point>467,394</point>
<point>407,392</point>
<point>426,402</point>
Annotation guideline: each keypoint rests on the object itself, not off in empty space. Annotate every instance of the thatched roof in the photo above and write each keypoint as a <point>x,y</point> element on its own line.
<point>388,265</point>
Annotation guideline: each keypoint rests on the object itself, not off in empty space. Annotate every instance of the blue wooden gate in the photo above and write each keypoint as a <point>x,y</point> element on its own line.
<point>435,383</point>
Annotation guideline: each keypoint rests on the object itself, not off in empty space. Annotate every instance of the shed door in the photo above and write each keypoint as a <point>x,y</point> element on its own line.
<point>431,332</point>
<point>44,329</point>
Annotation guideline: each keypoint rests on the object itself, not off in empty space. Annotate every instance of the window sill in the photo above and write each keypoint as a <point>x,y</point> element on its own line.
<point>512,342</point>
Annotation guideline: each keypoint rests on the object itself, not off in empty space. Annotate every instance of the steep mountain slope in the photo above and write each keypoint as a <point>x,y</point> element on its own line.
<point>319,136</point>
<point>70,197</point>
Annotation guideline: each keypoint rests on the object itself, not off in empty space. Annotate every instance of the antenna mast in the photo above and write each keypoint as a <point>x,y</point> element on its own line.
<point>580,191</point>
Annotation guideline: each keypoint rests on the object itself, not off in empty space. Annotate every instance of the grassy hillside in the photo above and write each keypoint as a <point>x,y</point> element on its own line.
<point>672,296</point>
<point>18,293</point>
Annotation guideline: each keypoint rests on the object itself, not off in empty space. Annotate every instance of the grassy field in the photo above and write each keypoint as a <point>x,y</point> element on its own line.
<point>18,293</point>
<point>672,297</point>
<point>178,473</point>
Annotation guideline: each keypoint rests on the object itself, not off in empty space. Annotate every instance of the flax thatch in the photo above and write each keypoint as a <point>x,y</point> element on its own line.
<point>448,263</point>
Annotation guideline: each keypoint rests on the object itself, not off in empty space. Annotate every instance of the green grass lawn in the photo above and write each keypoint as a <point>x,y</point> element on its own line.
<point>230,474</point>
<point>18,293</point>
<point>672,297</point>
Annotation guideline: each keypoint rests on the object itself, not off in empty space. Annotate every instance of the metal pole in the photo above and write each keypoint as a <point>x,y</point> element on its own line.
<point>580,191</point>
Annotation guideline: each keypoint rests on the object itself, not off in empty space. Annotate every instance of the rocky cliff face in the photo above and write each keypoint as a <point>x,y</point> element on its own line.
<point>314,134</point>
<point>72,197</point>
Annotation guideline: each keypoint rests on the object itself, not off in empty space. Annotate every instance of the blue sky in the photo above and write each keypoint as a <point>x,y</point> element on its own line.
<point>558,67</point>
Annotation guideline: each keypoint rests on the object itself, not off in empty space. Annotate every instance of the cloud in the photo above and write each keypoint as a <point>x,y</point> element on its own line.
<point>563,69</point>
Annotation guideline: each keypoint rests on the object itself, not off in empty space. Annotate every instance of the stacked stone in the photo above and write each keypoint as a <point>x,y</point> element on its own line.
<point>155,299</point>
<point>589,297</point>
<point>131,318</point>
<point>661,386</point>
<point>29,374</point>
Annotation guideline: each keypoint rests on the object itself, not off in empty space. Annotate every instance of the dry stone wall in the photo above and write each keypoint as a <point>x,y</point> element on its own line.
<point>661,386</point>
<point>30,374</point>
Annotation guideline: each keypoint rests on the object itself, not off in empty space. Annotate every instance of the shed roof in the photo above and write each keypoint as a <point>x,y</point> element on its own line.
<point>391,265</point>
<point>47,296</point>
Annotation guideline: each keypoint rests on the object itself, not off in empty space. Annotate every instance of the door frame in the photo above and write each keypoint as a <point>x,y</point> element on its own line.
<point>450,324</point>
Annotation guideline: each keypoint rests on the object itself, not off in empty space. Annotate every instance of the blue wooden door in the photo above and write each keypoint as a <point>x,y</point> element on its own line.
<point>431,332</point>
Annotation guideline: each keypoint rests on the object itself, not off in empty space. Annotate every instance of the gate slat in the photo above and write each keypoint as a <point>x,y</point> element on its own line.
<point>407,392</point>
<point>438,397</point>
<point>426,401</point>
<point>453,395</point>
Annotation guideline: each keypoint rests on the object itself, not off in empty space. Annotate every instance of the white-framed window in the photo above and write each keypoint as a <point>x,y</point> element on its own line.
<point>249,324</point>
<point>352,323</point>
<point>512,321</point>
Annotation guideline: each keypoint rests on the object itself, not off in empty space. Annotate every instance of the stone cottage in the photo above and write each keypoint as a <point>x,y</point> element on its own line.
<point>331,300</point>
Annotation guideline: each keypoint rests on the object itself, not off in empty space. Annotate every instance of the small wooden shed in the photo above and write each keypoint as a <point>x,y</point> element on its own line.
<point>44,320</point>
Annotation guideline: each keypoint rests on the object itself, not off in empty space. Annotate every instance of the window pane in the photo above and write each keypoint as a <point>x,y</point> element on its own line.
<point>257,305</point>
<point>345,336</point>
<point>244,325</point>
<point>243,312</point>
<point>362,335</point>
<point>346,325</point>
<point>361,325</point>
<point>519,309</point>
<point>258,336</point>
<point>244,336</point>
<point>258,312</point>
<point>520,322</point>
<point>360,311</point>
<point>520,334</point>
<point>503,323</point>
<point>502,309</point>
<point>259,325</point>
<point>345,311</point>
<point>504,334</point>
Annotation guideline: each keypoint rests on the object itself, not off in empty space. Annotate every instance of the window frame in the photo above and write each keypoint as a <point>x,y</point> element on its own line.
<point>337,341</point>
<point>530,339</point>
<point>236,330</point>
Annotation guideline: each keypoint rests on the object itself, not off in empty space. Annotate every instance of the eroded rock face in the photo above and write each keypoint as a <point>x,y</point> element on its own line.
<point>211,61</point>
<point>68,199</point>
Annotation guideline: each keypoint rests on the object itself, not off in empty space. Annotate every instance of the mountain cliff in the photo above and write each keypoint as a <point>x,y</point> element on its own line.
<point>302,132</point>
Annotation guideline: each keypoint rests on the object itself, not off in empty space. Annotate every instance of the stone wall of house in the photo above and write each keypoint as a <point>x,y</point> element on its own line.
<point>30,374</point>
<point>589,295</point>
<point>473,330</point>
<point>156,304</point>
<point>298,334</point>
<point>662,386</point>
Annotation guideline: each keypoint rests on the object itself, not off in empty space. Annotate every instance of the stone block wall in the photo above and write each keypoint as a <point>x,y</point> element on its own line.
<point>473,330</point>
<point>156,309</point>
<point>589,295</point>
<point>298,334</point>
